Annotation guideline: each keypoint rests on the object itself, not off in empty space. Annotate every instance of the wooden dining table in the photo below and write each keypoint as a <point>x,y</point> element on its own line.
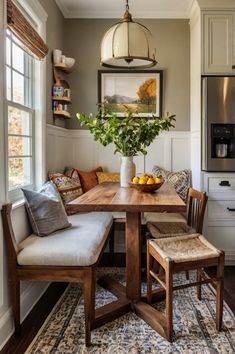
<point>111,197</point>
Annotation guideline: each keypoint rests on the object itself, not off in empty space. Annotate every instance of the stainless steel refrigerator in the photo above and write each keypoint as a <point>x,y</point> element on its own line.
<point>218,123</point>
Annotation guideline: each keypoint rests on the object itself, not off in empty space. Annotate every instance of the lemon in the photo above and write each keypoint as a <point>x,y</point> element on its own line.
<point>157,180</point>
<point>135,180</point>
<point>142,180</point>
<point>150,181</point>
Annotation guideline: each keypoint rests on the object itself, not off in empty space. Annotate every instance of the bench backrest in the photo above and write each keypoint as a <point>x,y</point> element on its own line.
<point>15,229</point>
<point>20,223</point>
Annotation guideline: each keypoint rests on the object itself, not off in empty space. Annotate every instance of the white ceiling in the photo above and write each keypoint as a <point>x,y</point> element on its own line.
<point>115,8</point>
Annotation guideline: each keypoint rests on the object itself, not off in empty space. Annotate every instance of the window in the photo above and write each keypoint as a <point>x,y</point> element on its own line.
<point>20,115</point>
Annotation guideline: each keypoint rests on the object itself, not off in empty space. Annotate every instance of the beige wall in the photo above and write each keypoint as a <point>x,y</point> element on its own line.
<point>54,32</point>
<point>82,41</point>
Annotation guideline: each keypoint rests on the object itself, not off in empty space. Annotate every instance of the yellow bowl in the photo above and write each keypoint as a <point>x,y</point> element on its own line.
<point>146,188</point>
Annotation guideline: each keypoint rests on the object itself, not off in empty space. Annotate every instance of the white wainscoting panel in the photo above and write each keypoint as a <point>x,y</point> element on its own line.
<point>196,160</point>
<point>77,148</point>
<point>83,149</point>
<point>170,150</point>
<point>86,154</point>
<point>180,152</point>
<point>157,154</point>
<point>57,148</point>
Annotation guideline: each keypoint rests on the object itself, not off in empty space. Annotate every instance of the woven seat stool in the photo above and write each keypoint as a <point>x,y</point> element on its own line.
<point>184,253</point>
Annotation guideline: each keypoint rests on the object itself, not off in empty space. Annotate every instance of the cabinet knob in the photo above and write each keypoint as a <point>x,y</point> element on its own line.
<point>224,184</point>
<point>230,209</point>
<point>233,66</point>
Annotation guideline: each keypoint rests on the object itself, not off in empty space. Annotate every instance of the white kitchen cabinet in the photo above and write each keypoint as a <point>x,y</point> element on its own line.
<point>219,222</point>
<point>218,42</point>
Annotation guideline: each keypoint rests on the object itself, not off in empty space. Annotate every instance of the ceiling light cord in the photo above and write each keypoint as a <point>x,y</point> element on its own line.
<point>127,5</point>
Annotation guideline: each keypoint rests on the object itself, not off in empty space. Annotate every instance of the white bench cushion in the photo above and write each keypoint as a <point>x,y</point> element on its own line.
<point>78,246</point>
<point>119,214</point>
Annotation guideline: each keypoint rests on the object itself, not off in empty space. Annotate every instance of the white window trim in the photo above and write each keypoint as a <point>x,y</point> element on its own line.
<point>35,12</point>
<point>16,194</point>
<point>3,194</point>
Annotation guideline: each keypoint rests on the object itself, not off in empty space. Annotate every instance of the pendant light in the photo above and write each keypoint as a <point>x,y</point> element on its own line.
<point>128,45</point>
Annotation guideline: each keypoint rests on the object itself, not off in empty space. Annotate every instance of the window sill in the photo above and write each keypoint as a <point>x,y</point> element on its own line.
<point>18,204</point>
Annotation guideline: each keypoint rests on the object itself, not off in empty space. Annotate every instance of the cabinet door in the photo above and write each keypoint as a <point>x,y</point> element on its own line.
<point>218,42</point>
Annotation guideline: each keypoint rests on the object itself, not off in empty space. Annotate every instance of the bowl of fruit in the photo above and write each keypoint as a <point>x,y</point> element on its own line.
<point>147,183</point>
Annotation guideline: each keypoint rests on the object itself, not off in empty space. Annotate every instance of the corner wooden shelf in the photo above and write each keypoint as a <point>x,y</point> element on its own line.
<point>61,99</point>
<point>62,67</point>
<point>63,114</point>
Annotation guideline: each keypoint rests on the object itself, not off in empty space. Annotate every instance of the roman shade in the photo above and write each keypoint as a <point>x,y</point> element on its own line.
<point>22,29</point>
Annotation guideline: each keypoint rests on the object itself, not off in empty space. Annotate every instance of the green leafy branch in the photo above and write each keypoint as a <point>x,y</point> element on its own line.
<point>131,135</point>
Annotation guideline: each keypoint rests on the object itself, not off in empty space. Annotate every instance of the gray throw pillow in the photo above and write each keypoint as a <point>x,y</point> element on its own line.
<point>45,210</point>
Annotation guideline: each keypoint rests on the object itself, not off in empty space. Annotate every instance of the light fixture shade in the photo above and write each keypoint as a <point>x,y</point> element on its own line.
<point>128,44</point>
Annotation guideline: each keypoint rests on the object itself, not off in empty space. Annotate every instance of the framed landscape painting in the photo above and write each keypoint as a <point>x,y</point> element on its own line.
<point>138,91</point>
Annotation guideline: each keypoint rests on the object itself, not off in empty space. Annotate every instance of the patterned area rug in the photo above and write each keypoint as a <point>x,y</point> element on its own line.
<point>194,326</point>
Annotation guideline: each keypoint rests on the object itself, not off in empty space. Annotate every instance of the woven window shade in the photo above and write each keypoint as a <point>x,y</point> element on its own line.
<point>22,29</point>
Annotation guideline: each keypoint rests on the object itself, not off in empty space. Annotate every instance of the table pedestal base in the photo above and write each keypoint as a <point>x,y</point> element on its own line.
<point>122,305</point>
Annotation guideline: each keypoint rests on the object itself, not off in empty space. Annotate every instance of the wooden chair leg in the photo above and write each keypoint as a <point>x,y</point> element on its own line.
<point>15,298</point>
<point>149,277</point>
<point>111,244</point>
<point>219,292</point>
<point>157,267</point>
<point>199,287</point>
<point>169,300</point>
<point>89,302</point>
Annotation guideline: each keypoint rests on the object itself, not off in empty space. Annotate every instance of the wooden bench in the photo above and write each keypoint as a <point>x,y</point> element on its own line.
<point>68,256</point>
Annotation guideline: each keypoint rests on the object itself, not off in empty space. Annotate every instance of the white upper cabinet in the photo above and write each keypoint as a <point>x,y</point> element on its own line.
<point>218,40</point>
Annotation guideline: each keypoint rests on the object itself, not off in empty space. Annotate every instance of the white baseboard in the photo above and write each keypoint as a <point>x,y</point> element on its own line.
<point>29,298</point>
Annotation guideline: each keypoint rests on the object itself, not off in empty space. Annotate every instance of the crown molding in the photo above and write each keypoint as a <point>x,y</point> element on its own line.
<point>194,13</point>
<point>34,9</point>
<point>63,8</point>
<point>216,4</point>
<point>191,8</point>
<point>101,14</point>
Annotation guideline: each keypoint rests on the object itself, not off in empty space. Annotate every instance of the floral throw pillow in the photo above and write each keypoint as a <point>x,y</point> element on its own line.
<point>71,172</point>
<point>181,180</point>
<point>69,188</point>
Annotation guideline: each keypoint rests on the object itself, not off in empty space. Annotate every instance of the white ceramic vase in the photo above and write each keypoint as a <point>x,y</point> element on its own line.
<point>127,171</point>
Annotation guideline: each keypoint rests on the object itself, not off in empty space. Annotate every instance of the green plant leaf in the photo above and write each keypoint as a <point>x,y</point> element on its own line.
<point>130,135</point>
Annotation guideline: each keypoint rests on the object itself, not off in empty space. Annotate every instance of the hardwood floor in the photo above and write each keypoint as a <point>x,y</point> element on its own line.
<point>33,322</point>
<point>229,285</point>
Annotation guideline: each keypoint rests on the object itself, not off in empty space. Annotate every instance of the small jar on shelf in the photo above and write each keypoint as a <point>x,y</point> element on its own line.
<point>58,91</point>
